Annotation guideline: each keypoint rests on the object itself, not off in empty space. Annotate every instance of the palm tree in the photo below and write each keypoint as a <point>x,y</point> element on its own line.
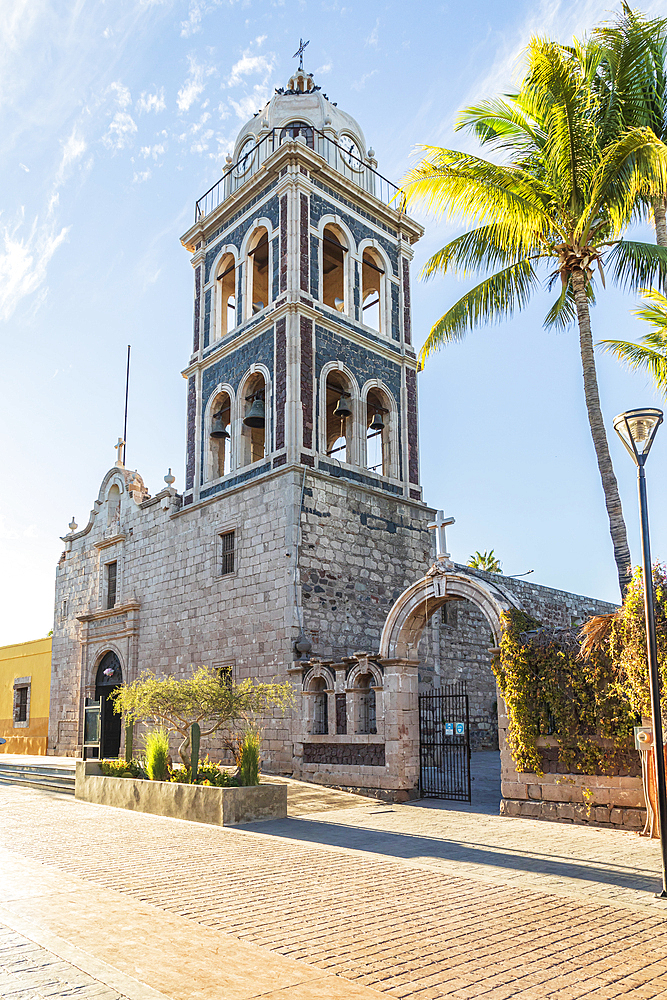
<point>561,199</point>
<point>627,58</point>
<point>650,354</point>
<point>486,561</point>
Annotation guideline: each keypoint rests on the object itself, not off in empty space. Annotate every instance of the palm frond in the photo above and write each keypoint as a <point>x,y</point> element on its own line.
<point>640,358</point>
<point>492,301</point>
<point>655,313</point>
<point>506,126</point>
<point>480,249</point>
<point>450,183</point>
<point>635,164</point>
<point>635,265</point>
<point>564,311</point>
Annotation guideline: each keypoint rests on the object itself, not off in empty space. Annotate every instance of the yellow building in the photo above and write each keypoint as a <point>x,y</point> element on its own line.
<point>25,686</point>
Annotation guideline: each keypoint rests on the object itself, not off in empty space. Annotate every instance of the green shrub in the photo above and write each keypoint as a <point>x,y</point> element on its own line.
<point>208,773</point>
<point>121,768</point>
<point>249,759</point>
<point>157,755</point>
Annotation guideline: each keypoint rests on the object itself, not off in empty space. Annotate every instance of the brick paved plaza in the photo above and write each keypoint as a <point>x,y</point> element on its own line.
<point>352,900</point>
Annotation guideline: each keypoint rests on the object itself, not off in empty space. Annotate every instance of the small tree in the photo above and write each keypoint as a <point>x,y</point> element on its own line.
<point>203,698</point>
<point>486,561</point>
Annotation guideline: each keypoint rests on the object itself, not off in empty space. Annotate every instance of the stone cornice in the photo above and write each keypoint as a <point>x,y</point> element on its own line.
<point>290,307</point>
<point>119,609</point>
<point>112,540</point>
<point>294,153</point>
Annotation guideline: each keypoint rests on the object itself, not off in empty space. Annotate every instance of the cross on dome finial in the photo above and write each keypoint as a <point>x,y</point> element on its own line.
<point>299,52</point>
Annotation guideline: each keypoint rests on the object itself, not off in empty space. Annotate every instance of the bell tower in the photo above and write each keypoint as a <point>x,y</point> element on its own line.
<point>302,350</point>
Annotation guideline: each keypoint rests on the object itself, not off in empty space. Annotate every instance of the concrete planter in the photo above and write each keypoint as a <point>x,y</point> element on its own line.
<point>198,803</point>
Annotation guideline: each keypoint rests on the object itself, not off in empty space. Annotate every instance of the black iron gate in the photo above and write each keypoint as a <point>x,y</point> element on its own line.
<point>444,744</point>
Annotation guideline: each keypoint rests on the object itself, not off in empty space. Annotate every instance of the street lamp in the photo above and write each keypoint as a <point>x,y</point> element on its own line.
<point>637,430</point>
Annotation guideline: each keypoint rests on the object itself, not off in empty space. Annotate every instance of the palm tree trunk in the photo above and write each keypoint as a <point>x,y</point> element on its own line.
<point>660,217</point>
<point>609,485</point>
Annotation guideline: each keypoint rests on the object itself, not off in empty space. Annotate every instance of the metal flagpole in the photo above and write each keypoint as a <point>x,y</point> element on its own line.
<point>127,389</point>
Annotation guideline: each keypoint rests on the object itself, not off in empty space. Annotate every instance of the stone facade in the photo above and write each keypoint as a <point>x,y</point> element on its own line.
<point>303,524</point>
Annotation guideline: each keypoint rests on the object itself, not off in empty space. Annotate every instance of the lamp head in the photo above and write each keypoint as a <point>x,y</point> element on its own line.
<point>637,430</point>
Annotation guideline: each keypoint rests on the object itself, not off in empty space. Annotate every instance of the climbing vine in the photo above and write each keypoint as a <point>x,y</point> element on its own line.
<point>551,689</point>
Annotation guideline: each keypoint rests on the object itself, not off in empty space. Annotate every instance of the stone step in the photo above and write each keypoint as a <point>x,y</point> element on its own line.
<point>52,779</point>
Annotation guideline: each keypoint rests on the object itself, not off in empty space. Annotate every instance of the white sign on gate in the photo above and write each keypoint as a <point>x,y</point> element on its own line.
<point>449,729</point>
<point>460,728</point>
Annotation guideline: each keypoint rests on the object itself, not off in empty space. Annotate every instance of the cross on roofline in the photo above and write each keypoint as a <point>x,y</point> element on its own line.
<point>439,525</point>
<point>299,51</point>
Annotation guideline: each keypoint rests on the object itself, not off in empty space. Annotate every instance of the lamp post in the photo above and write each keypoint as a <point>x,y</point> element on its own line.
<point>637,430</point>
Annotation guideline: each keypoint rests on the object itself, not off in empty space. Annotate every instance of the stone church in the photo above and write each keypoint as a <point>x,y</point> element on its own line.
<point>295,546</point>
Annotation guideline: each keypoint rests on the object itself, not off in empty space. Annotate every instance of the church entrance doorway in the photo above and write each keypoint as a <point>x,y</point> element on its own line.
<point>445,708</point>
<point>109,677</point>
<point>444,744</point>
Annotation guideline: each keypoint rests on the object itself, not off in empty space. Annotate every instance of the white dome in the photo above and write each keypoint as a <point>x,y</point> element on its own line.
<point>301,101</point>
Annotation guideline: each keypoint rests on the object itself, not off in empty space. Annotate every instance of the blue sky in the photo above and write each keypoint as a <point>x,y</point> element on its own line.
<point>115,117</point>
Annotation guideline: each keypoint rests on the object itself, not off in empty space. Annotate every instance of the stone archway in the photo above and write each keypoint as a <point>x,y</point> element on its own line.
<point>108,677</point>
<point>410,613</point>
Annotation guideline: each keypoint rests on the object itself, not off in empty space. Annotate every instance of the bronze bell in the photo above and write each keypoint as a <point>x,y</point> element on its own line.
<point>378,422</point>
<point>218,428</point>
<point>342,408</point>
<point>255,415</point>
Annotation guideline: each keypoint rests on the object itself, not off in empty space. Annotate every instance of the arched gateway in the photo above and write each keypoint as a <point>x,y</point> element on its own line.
<point>408,616</point>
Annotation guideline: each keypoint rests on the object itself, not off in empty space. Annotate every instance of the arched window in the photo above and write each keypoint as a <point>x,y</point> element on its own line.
<point>333,269</point>
<point>378,437</point>
<point>226,295</point>
<point>366,712</point>
<point>294,129</point>
<point>253,432</point>
<point>220,452</point>
<point>258,272</point>
<point>372,289</point>
<point>113,505</point>
<point>339,417</point>
<point>320,725</point>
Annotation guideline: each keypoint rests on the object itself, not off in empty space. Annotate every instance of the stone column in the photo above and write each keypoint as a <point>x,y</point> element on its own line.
<point>401,727</point>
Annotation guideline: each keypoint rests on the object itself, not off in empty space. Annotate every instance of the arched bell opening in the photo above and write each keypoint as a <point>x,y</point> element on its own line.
<point>253,428</point>
<point>219,437</point>
<point>109,677</point>
<point>295,129</point>
<point>333,268</point>
<point>379,419</point>
<point>372,289</point>
<point>258,271</point>
<point>226,295</point>
<point>339,417</point>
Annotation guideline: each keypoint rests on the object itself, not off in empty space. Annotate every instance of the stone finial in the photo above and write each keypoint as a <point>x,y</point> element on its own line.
<point>228,159</point>
<point>169,479</point>
<point>72,525</point>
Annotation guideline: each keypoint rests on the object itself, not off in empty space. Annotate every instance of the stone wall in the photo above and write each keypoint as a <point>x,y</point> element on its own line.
<point>609,800</point>
<point>457,643</point>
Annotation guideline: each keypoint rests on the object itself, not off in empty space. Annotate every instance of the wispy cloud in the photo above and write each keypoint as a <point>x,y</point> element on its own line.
<point>142,175</point>
<point>361,82</point>
<point>250,64</point>
<point>152,151</point>
<point>194,84</point>
<point>24,257</point>
<point>196,11</point>
<point>23,167</point>
<point>373,37</point>
<point>325,68</point>
<point>122,94</point>
<point>151,102</point>
<point>73,148</point>
<point>120,132</point>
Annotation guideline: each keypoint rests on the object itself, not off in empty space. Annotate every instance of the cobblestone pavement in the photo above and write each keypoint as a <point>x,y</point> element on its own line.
<point>28,972</point>
<point>413,901</point>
